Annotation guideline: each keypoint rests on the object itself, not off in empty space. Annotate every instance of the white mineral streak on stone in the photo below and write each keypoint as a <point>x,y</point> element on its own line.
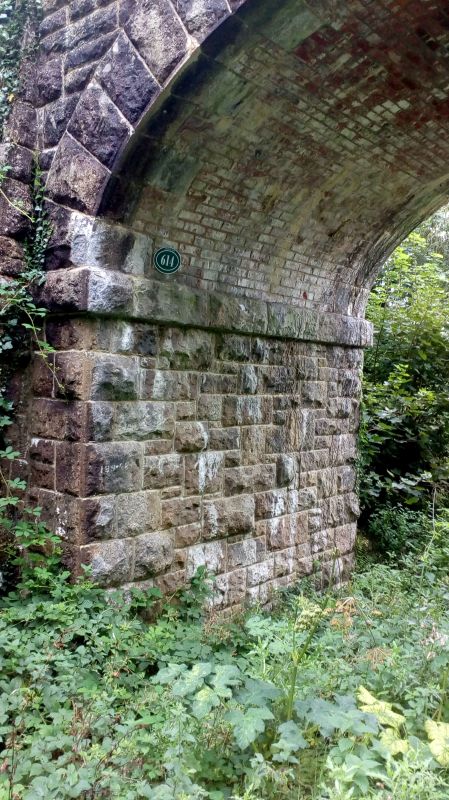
<point>126,337</point>
<point>213,519</point>
<point>61,521</point>
<point>208,467</point>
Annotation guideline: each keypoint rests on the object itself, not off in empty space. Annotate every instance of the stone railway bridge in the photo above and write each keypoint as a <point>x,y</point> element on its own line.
<point>284,148</point>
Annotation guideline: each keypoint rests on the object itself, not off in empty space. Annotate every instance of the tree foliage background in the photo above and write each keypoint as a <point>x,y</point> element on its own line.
<point>404,439</point>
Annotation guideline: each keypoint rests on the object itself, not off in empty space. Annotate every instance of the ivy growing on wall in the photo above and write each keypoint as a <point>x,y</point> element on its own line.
<point>16,18</point>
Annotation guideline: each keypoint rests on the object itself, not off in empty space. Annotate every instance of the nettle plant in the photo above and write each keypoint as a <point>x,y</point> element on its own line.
<point>23,536</point>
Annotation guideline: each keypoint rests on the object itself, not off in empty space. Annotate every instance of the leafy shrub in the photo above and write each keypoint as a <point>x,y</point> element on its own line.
<point>397,531</point>
<point>342,695</point>
<point>404,439</point>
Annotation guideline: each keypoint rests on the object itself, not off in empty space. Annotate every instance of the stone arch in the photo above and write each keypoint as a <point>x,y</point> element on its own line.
<point>325,115</point>
<point>284,148</point>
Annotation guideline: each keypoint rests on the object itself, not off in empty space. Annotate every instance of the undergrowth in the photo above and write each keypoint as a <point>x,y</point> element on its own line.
<point>342,695</point>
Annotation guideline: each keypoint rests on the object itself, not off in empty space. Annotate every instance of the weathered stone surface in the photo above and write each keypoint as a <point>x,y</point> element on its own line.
<point>12,221</point>
<point>167,45</point>
<point>204,473</point>
<point>113,468</point>
<point>127,79</point>
<point>111,562</point>
<point>200,16</point>
<point>243,553</point>
<point>76,176</point>
<point>163,471</point>
<point>211,555</point>
<point>114,378</point>
<point>154,553</point>
<point>139,421</point>
<point>286,467</point>
<point>180,511</point>
<point>97,109</point>
<point>190,437</point>
<point>138,512</point>
<point>287,531</point>
<point>251,478</point>
<point>193,349</point>
<point>228,517</point>
<point>56,119</point>
<point>19,161</point>
<point>11,257</point>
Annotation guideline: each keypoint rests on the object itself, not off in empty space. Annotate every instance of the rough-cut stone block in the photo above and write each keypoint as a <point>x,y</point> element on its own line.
<point>167,45</point>
<point>204,473</point>
<point>200,16</point>
<point>56,419</point>
<point>259,573</point>
<point>224,438</point>
<point>111,562</point>
<point>252,410</point>
<point>210,407</point>
<point>11,257</point>
<point>76,178</point>
<point>138,512</point>
<point>96,111</point>
<point>271,504</point>
<point>283,532</point>
<point>95,243</point>
<point>241,554</point>
<point>56,118</point>
<point>192,349</point>
<point>228,517</point>
<point>127,79</point>
<point>238,314</point>
<point>286,468</point>
<point>114,378</point>
<point>19,161</point>
<point>249,479</point>
<point>211,555</point>
<point>190,437</point>
<point>234,348</point>
<point>167,385</point>
<point>154,554</point>
<point>162,471</point>
<point>180,511</point>
<point>285,562</point>
<point>12,221</point>
<point>113,468</point>
<point>173,303</point>
<point>140,420</point>
<point>187,535</point>
<point>253,442</point>
<point>98,519</point>
<point>109,292</point>
<point>230,588</point>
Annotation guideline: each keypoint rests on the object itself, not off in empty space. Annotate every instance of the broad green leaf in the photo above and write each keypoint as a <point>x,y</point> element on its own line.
<point>226,676</point>
<point>205,700</point>
<point>247,725</point>
<point>290,741</point>
<point>382,710</point>
<point>438,733</point>
<point>394,744</point>
<point>189,682</point>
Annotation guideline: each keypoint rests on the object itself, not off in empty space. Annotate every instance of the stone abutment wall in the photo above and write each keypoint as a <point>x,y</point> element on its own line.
<point>189,446</point>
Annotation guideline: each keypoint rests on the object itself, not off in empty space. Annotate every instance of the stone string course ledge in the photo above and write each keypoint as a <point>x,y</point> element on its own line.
<point>182,447</point>
<point>99,291</point>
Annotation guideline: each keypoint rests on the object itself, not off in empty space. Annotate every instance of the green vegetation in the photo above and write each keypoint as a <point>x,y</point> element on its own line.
<point>342,695</point>
<point>404,441</point>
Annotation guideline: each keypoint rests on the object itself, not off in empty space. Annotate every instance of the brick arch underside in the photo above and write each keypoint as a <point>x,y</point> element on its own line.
<point>285,153</point>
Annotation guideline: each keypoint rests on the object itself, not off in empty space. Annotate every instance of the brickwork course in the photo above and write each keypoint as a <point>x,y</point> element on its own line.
<point>284,148</point>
